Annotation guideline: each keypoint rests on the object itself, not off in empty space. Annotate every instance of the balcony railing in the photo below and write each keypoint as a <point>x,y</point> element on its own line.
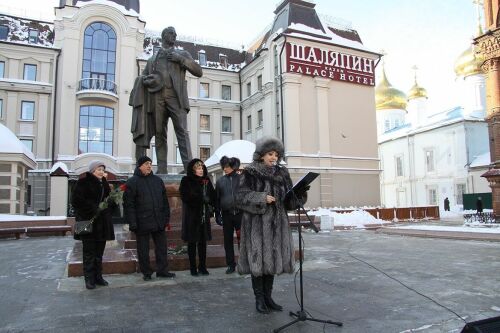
<point>97,85</point>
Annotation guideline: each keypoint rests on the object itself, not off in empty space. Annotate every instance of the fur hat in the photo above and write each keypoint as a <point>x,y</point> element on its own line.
<point>95,164</point>
<point>232,162</point>
<point>142,160</point>
<point>267,144</point>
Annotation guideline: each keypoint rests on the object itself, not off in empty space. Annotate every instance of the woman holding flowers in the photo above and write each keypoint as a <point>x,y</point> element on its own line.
<point>198,199</point>
<point>90,201</point>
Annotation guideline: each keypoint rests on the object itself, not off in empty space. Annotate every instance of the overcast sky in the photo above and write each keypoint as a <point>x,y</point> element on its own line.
<point>428,33</point>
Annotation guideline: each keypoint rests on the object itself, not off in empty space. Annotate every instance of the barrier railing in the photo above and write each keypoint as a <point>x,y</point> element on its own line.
<point>480,217</point>
<point>97,84</point>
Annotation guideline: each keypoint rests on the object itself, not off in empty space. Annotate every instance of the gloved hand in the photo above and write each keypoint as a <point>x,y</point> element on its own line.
<point>132,228</point>
<point>218,220</point>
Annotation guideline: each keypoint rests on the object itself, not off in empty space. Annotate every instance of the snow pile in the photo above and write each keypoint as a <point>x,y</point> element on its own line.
<point>356,218</point>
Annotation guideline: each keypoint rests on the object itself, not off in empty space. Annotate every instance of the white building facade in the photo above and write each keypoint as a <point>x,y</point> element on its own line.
<point>432,156</point>
<point>65,87</point>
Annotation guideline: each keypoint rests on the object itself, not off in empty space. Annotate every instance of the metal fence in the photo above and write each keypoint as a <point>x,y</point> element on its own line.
<point>480,217</point>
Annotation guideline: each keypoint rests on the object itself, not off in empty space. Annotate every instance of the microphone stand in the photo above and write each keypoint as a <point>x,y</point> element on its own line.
<point>303,315</point>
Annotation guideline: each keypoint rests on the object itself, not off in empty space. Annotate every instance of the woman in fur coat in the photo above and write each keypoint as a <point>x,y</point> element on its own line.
<point>266,241</point>
<point>198,200</point>
<point>89,192</point>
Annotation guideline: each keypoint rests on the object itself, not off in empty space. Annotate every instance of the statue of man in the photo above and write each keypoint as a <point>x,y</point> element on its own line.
<point>159,94</point>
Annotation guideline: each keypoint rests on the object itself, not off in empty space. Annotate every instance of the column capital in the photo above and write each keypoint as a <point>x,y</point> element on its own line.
<point>321,82</point>
<point>491,65</point>
<point>291,78</point>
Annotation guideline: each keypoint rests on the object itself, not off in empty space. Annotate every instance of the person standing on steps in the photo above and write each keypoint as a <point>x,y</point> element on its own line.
<point>198,199</point>
<point>147,213</point>
<point>228,215</point>
<point>90,191</point>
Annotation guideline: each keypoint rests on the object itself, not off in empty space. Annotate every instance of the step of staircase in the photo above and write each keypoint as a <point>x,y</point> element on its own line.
<point>124,261</point>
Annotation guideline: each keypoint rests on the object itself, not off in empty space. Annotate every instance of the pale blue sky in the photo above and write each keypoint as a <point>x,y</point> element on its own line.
<point>428,33</point>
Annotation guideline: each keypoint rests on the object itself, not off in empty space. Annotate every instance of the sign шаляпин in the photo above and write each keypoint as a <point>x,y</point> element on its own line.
<point>314,61</point>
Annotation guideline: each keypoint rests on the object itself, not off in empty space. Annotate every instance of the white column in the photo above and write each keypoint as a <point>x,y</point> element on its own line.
<point>322,114</point>
<point>42,132</point>
<point>291,112</point>
<point>58,195</point>
<point>12,111</point>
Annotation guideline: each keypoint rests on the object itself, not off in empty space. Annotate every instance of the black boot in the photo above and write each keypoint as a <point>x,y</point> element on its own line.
<point>98,273</point>
<point>192,258</point>
<point>258,290</point>
<point>89,282</point>
<point>268,289</point>
<point>202,256</point>
<point>88,262</point>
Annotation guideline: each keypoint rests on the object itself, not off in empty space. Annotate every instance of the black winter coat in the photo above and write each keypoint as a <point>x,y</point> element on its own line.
<point>195,214</point>
<point>87,195</point>
<point>145,203</point>
<point>226,189</point>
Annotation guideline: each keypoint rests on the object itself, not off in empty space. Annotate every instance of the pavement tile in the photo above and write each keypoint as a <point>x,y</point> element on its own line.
<point>346,278</point>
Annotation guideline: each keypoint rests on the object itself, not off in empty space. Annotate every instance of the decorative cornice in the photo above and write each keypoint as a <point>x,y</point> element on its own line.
<point>491,65</point>
<point>488,45</point>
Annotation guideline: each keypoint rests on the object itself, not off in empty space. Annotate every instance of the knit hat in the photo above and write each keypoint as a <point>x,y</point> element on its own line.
<point>142,160</point>
<point>95,164</point>
<point>267,144</point>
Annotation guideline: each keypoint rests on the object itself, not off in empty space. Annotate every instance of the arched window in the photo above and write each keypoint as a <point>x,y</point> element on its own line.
<point>99,57</point>
<point>96,130</point>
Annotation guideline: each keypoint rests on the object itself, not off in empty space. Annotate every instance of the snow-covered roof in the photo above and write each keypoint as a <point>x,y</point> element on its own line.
<point>19,30</point>
<point>59,165</point>
<point>304,31</point>
<point>130,12</point>
<point>10,144</point>
<point>447,117</point>
<point>234,59</point>
<point>241,149</point>
<point>483,160</point>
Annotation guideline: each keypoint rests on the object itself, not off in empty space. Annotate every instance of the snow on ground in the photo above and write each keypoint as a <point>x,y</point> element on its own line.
<point>489,228</point>
<point>9,218</point>
<point>356,218</point>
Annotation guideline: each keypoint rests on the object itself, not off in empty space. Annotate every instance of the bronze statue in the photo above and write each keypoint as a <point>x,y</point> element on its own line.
<point>159,94</point>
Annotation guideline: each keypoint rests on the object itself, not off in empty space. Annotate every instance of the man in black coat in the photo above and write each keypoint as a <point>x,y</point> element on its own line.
<point>147,213</point>
<point>228,215</point>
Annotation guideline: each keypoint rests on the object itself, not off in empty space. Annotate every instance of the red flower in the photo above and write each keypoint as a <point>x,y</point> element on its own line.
<point>123,187</point>
<point>205,181</point>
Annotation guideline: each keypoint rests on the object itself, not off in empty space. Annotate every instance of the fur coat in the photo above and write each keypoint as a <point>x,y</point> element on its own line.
<point>266,246</point>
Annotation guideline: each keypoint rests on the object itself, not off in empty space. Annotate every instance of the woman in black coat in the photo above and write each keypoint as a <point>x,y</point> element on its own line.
<point>89,192</point>
<point>198,199</point>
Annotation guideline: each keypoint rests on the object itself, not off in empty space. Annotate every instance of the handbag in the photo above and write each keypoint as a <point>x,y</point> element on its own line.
<point>83,227</point>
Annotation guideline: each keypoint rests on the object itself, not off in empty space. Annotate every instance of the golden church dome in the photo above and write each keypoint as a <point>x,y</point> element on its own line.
<point>388,97</point>
<point>417,91</point>
<point>468,63</point>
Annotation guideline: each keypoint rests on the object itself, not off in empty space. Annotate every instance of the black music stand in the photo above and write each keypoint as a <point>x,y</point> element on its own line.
<point>297,190</point>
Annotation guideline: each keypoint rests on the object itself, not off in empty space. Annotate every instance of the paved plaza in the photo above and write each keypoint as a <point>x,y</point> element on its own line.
<point>371,282</point>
